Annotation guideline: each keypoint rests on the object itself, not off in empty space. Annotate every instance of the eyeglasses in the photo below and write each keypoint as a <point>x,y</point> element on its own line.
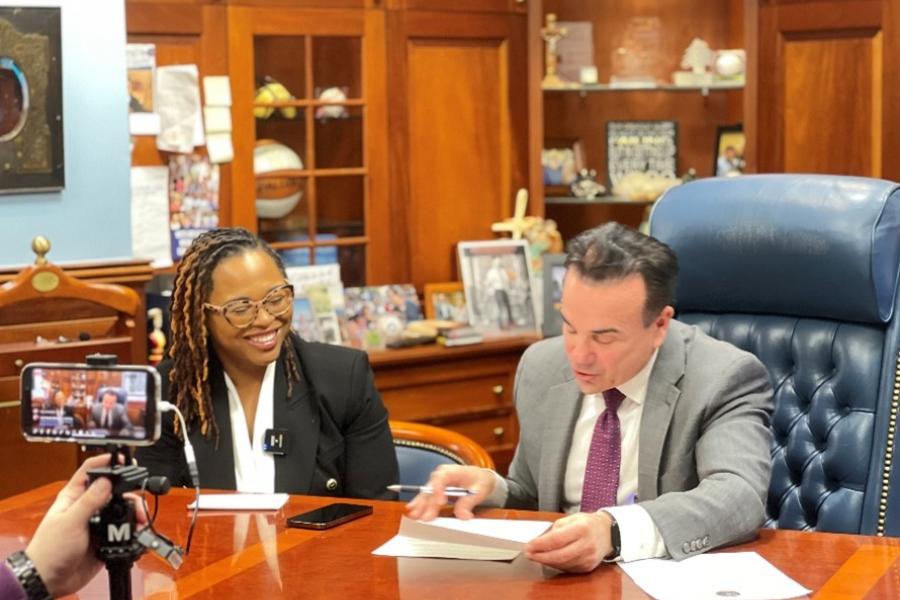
<point>242,313</point>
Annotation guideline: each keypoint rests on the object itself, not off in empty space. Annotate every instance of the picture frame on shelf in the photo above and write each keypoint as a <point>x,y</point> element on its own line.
<point>497,280</point>
<point>553,271</point>
<point>648,146</point>
<point>728,157</point>
<point>446,302</point>
<point>561,159</point>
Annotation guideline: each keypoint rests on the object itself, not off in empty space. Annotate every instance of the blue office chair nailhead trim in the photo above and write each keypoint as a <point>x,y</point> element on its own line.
<point>431,448</point>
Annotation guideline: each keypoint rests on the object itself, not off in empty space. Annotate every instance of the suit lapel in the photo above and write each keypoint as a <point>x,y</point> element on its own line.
<point>300,416</point>
<point>216,465</point>
<point>561,408</point>
<point>662,396</point>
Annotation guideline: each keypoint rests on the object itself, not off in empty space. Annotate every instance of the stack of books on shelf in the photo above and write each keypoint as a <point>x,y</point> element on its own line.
<point>459,336</point>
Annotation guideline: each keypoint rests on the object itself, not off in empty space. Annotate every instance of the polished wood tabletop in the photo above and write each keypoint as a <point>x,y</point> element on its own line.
<point>253,555</point>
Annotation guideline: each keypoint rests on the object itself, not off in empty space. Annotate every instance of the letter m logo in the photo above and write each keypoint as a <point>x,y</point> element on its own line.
<point>122,533</point>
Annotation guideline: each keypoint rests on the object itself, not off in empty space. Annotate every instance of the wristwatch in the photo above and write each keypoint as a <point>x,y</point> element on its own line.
<point>615,539</point>
<point>28,577</point>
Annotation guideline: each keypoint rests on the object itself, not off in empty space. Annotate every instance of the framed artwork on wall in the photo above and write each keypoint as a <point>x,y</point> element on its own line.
<point>31,119</point>
<point>641,147</point>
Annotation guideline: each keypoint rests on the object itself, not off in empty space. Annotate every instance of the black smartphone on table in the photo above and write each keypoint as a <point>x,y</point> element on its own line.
<point>87,404</point>
<point>329,516</point>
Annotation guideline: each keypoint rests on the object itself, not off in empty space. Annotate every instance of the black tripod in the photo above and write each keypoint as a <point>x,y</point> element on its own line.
<point>114,528</point>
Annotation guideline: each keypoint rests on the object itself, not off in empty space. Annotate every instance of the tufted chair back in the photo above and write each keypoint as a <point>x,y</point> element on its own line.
<point>802,271</point>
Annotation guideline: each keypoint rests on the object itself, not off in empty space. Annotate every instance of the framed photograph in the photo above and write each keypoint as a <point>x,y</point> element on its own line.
<point>553,271</point>
<point>641,147</point>
<point>729,151</point>
<point>497,280</point>
<point>561,159</point>
<point>446,302</point>
<point>31,110</point>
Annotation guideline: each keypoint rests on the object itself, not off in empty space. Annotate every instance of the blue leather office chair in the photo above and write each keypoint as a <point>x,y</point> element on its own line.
<point>802,270</point>
<point>422,448</point>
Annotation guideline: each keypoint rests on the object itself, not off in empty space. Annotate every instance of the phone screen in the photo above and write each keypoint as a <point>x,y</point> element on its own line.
<point>90,405</point>
<point>329,516</point>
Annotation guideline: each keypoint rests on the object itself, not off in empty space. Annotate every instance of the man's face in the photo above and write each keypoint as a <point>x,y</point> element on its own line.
<point>109,400</point>
<point>59,399</point>
<point>606,340</point>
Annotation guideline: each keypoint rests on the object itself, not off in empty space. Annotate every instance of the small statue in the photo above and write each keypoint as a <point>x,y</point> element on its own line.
<point>552,33</point>
<point>698,57</point>
<point>156,338</point>
<point>586,186</point>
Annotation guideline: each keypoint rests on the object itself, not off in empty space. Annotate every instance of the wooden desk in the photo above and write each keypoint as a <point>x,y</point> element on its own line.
<point>255,556</point>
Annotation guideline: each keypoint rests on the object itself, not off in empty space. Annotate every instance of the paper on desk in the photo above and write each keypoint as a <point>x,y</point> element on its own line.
<point>475,539</point>
<point>744,575</point>
<point>241,501</point>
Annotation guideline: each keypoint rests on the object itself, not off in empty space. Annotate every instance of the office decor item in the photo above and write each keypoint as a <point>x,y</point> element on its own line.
<point>273,91</point>
<point>561,159</point>
<point>277,189</point>
<point>552,33</point>
<point>576,52</point>
<point>729,151</point>
<point>649,147</point>
<point>497,279</point>
<point>585,185</point>
<point>637,56</point>
<point>730,65</point>
<point>446,302</point>
<point>698,60</point>
<point>31,117</point>
<point>333,97</point>
<point>553,271</point>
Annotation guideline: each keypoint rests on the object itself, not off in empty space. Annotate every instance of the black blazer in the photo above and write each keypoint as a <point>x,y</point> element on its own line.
<point>339,440</point>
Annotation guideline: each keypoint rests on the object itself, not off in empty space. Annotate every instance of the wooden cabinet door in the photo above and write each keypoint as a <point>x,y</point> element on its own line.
<point>495,6</point>
<point>459,121</point>
<point>827,87</point>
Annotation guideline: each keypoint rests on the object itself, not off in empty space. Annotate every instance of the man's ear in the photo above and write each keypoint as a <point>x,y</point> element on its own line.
<point>661,324</point>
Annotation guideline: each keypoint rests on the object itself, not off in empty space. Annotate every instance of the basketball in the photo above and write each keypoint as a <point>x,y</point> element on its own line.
<point>278,188</point>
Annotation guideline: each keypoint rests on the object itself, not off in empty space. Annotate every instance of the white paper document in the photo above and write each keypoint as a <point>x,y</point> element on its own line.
<point>241,501</point>
<point>178,97</point>
<point>475,539</point>
<point>150,215</point>
<point>743,575</point>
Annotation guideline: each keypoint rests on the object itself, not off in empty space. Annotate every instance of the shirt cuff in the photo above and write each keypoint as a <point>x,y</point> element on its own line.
<point>501,491</point>
<point>638,534</point>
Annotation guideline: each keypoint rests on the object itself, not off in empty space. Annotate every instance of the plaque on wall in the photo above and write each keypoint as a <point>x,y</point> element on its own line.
<point>31,119</point>
<point>641,147</point>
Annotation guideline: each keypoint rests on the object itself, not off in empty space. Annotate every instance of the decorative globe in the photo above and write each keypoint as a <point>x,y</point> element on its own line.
<point>277,193</point>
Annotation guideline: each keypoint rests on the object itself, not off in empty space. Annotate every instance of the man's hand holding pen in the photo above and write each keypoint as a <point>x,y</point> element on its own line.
<point>479,483</point>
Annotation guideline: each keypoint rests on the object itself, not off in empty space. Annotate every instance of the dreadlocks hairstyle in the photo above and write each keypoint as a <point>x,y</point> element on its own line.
<point>191,348</point>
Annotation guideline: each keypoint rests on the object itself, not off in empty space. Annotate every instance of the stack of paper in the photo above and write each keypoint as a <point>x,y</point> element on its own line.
<point>475,539</point>
<point>744,575</point>
<point>241,501</point>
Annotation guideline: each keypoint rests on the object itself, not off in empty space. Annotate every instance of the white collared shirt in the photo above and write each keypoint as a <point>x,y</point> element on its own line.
<point>639,536</point>
<point>254,469</point>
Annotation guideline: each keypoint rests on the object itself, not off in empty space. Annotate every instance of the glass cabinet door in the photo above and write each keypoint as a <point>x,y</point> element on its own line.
<point>311,181</point>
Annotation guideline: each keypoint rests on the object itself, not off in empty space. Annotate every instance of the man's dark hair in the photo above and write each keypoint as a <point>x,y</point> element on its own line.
<point>613,252</point>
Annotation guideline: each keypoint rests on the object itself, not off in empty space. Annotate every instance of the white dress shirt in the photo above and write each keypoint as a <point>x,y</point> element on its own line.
<point>639,536</point>
<point>254,469</point>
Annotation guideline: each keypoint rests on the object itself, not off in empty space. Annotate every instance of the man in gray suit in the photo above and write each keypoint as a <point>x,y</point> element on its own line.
<point>109,414</point>
<point>652,435</point>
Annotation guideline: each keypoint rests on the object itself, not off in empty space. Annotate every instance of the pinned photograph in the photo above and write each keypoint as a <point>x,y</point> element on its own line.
<point>729,151</point>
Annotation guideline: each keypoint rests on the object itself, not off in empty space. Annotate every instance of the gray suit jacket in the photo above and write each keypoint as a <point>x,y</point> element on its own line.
<point>704,463</point>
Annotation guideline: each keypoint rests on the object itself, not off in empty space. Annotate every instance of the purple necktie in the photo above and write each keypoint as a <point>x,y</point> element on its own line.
<point>601,472</point>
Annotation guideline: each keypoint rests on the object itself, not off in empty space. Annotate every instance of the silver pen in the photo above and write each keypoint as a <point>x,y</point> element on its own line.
<point>426,489</point>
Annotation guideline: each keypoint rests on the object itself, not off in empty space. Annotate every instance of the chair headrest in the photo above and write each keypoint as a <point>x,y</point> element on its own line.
<point>821,246</point>
<point>120,394</point>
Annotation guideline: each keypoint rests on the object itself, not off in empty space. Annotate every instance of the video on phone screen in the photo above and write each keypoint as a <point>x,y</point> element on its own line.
<point>88,403</point>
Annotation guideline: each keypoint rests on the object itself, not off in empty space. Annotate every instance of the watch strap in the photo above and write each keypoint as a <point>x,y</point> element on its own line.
<point>28,577</point>
<point>615,540</point>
